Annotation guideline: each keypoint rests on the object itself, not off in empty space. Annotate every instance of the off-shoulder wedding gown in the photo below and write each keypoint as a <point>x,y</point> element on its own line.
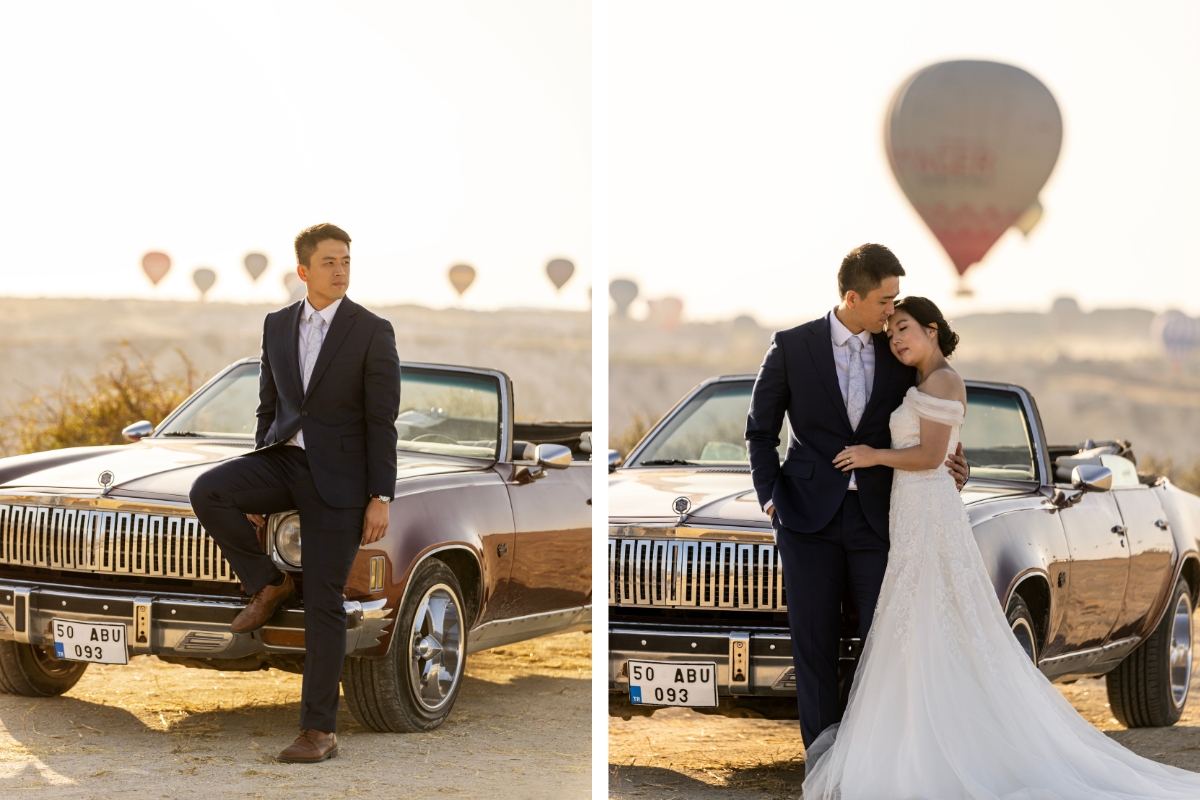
<point>945,704</point>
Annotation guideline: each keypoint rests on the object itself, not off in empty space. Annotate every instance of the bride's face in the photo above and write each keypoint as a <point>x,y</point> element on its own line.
<point>911,342</point>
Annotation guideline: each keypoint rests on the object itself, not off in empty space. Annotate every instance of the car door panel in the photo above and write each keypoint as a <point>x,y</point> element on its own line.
<point>1099,570</point>
<point>1151,559</point>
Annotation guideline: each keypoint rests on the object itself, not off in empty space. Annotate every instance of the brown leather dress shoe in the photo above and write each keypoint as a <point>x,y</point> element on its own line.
<point>310,747</point>
<point>263,605</point>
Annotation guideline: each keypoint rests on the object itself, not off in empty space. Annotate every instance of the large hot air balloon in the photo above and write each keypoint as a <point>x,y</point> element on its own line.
<point>461,277</point>
<point>971,144</point>
<point>156,266</point>
<point>204,278</point>
<point>559,271</point>
<point>256,264</point>
<point>623,292</point>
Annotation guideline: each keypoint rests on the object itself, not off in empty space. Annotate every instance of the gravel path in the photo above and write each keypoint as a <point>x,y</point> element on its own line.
<point>520,729</point>
<point>678,754</point>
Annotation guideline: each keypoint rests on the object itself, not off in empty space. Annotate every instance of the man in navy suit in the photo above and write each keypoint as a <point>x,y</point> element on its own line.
<point>325,445</point>
<point>838,383</point>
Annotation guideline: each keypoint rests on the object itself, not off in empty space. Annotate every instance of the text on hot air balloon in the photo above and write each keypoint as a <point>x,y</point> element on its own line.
<point>975,163</point>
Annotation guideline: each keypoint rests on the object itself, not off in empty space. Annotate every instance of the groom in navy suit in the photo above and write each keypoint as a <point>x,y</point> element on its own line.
<point>838,383</point>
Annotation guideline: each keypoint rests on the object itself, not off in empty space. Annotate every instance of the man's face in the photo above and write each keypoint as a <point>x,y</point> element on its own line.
<point>327,274</point>
<point>872,311</point>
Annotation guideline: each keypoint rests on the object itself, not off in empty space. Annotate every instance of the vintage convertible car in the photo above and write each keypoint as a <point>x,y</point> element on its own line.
<point>1095,566</point>
<point>101,557</point>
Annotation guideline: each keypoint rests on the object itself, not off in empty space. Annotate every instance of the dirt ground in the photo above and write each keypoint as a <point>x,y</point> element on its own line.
<point>678,754</point>
<point>521,728</point>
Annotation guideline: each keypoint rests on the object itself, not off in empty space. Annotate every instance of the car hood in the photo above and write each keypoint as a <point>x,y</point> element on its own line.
<point>717,497</point>
<point>156,468</point>
<point>648,494</point>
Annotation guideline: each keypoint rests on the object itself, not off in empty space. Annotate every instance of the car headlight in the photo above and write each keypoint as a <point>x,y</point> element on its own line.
<point>287,539</point>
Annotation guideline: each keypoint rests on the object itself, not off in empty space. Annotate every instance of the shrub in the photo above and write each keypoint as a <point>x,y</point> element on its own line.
<point>1186,477</point>
<point>125,389</point>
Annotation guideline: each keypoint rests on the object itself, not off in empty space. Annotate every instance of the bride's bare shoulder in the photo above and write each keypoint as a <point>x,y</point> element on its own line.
<point>944,384</point>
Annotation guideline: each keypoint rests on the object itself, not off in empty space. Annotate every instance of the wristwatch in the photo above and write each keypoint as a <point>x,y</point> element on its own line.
<point>383,498</point>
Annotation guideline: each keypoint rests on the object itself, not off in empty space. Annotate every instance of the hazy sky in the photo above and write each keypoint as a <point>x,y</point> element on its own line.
<point>746,151</point>
<point>433,132</point>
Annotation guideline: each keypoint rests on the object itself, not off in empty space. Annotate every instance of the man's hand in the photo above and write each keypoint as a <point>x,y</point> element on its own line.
<point>958,467</point>
<point>771,513</point>
<point>375,521</point>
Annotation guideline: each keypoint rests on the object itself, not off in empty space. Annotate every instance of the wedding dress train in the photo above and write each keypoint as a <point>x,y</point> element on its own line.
<point>945,704</point>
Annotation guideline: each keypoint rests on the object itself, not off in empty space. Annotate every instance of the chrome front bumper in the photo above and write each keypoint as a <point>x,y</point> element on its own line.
<point>175,625</point>
<point>749,662</point>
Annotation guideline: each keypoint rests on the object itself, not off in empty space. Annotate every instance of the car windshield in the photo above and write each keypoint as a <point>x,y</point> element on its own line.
<point>441,411</point>
<point>708,431</point>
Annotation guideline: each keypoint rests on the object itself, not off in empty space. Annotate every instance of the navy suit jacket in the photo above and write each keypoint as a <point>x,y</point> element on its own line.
<point>798,378</point>
<point>348,413</point>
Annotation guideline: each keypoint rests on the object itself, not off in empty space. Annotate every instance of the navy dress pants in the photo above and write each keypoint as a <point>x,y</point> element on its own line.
<point>818,569</point>
<point>267,482</point>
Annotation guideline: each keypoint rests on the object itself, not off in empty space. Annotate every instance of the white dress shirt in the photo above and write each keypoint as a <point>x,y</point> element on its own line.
<point>306,317</point>
<point>840,334</point>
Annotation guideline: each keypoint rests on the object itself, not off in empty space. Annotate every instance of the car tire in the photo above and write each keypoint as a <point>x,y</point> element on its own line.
<point>32,670</point>
<point>1023,627</point>
<point>1149,688</point>
<point>414,686</point>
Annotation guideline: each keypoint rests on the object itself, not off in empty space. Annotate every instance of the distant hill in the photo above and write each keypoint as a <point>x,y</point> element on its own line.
<point>546,353</point>
<point>1095,375</point>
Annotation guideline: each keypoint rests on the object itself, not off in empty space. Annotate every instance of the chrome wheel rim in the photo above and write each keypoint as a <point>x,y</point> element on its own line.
<point>1181,651</point>
<point>435,648</point>
<point>50,664</point>
<point>1024,634</point>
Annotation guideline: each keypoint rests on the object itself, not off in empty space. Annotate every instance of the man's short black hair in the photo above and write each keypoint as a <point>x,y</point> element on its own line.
<point>308,239</point>
<point>864,268</point>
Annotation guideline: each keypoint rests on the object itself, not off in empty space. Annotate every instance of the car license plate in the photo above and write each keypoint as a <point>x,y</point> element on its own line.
<point>673,683</point>
<point>100,643</point>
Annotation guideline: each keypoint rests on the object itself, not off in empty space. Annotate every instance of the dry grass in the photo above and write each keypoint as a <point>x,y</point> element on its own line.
<point>126,388</point>
<point>624,442</point>
<point>1185,476</point>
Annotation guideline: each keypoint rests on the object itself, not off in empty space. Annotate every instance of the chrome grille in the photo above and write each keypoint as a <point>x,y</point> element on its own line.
<point>89,540</point>
<point>695,574</point>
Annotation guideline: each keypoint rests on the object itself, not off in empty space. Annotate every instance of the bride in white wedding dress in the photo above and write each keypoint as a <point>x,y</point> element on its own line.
<point>945,704</point>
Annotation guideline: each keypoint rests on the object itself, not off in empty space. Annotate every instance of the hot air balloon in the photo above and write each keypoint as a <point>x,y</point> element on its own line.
<point>156,266</point>
<point>256,264</point>
<point>1178,334</point>
<point>666,312</point>
<point>296,288</point>
<point>559,271</point>
<point>971,144</point>
<point>461,277</point>
<point>623,292</point>
<point>204,278</point>
<point>1030,218</point>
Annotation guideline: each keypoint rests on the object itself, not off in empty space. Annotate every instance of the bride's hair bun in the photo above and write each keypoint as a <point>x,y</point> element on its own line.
<point>928,315</point>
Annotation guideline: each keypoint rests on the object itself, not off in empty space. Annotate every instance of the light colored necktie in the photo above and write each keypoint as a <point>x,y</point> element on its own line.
<point>856,394</point>
<point>315,338</point>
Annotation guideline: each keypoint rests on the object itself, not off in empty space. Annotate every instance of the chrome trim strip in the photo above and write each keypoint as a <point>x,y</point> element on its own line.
<point>506,631</point>
<point>695,574</point>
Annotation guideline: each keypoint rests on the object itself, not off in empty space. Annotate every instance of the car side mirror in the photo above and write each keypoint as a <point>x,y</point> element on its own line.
<point>614,458</point>
<point>138,430</point>
<point>1091,478</point>
<point>553,456</point>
